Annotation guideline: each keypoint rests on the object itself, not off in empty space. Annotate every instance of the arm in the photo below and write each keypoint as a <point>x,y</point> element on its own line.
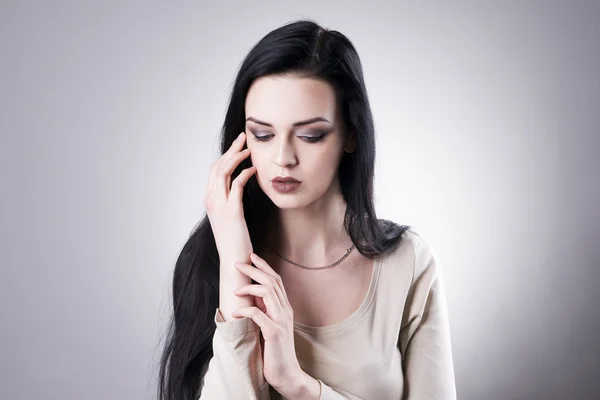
<point>235,371</point>
<point>425,333</point>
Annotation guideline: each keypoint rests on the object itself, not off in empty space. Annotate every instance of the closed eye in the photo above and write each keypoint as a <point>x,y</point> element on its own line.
<point>308,139</point>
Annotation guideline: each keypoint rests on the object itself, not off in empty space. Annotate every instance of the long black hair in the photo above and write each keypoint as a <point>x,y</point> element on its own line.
<point>301,47</point>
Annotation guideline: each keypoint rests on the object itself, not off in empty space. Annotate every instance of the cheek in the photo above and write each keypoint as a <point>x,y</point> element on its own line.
<point>325,160</point>
<point>257,161</point>
<point>254,158</point>
<point>325,166</point>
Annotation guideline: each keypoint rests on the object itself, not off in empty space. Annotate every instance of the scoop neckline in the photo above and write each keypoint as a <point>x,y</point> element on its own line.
<point>356,315</point>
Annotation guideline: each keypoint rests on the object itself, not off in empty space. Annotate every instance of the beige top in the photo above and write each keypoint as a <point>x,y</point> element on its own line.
<point>395,346</point>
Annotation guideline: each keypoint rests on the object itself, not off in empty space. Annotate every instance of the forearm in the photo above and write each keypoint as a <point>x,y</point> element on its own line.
<point>236,370</point>
<point>231,279</point>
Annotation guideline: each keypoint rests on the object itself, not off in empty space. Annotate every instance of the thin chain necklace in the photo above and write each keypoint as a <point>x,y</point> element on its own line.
<point>313,268</point>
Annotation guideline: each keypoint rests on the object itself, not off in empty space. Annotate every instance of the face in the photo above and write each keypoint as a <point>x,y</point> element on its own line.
<point>293,130</point>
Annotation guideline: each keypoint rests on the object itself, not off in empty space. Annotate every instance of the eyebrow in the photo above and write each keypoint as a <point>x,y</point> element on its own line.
<point>299,123</point>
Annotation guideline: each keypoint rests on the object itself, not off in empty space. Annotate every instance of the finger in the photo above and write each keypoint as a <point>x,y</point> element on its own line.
<point>212,174</point>
<point>267,326</point>
<point>236,146</point>
<point>233,149</point>
<point>268,294</point>
<point>237,188</point>
<point>232,163</point>
<point>225,168</point>
<point>267,280</point>
<point>265,267</point>
<point>225,165</point>
<point>256,274</point>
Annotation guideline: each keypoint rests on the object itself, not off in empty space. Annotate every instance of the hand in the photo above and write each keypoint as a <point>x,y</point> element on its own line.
<point>274,315</point>
<point>223,200</point>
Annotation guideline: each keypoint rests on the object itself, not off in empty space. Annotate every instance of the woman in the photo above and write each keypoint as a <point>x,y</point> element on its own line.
<point>337,304</point>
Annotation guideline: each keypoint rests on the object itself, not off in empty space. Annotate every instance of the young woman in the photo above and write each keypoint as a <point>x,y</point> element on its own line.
<point>291,287</point>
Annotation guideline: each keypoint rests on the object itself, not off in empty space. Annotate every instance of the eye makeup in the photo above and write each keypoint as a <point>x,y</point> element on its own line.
<point>318,137</point>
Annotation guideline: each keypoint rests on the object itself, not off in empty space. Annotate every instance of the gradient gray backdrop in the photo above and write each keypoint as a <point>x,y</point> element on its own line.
<point>487,119</point>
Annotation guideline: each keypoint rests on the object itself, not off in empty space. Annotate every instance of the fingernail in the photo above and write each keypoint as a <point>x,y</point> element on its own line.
<point>240,135</point>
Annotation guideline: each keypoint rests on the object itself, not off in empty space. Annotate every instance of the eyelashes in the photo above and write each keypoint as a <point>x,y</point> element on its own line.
<point>308,139</point>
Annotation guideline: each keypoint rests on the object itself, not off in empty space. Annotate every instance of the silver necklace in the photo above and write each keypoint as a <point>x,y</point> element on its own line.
<point>313,268</point>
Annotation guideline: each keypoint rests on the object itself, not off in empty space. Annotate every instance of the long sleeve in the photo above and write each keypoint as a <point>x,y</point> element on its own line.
<point>236,369</point>
<point>425,333</point>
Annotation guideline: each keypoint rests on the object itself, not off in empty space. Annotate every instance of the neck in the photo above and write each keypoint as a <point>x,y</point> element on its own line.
<point>312,235</point>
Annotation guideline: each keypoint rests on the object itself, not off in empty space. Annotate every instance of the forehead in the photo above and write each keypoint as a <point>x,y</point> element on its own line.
<point>290,98</point>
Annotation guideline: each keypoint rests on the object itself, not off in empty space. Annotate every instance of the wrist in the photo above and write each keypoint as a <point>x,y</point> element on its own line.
<point>306,388</point>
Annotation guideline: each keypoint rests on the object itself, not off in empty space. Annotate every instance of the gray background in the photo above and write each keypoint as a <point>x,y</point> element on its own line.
<point>487,120</point>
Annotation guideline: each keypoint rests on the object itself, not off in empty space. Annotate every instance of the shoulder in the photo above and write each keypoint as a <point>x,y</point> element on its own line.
<point>409,275</point>
<point>398,266</point>
<point>412,264</point>
<point>420,254</point>
<point>406,249</point>
<point>427,289</point>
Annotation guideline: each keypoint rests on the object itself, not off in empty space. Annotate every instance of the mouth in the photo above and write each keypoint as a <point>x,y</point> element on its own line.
<point>280,179</point>
<point>285,185</point>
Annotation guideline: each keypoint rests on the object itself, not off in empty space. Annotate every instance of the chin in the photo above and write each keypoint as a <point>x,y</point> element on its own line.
<point>285,201</point>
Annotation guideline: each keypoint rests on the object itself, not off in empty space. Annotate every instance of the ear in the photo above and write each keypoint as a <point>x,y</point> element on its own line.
<point>350,144</point>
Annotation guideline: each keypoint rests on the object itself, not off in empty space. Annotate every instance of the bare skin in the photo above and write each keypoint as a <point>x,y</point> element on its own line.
<point>293,129</point>
<point>322,298</point>
<point>308,227</point>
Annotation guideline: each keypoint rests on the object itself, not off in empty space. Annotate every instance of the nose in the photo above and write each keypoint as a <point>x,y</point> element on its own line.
<point>286,155</point>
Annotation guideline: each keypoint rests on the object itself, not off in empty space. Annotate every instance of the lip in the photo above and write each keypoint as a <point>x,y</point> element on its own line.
<point>285,187</point>
<point>285,179</point>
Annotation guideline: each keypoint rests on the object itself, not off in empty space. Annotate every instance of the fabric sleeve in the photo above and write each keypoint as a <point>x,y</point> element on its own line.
<point>236,369</point>
<point>424,338</point>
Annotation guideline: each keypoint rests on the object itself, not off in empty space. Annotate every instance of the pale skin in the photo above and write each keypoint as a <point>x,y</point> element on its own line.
<point>308,227</point>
